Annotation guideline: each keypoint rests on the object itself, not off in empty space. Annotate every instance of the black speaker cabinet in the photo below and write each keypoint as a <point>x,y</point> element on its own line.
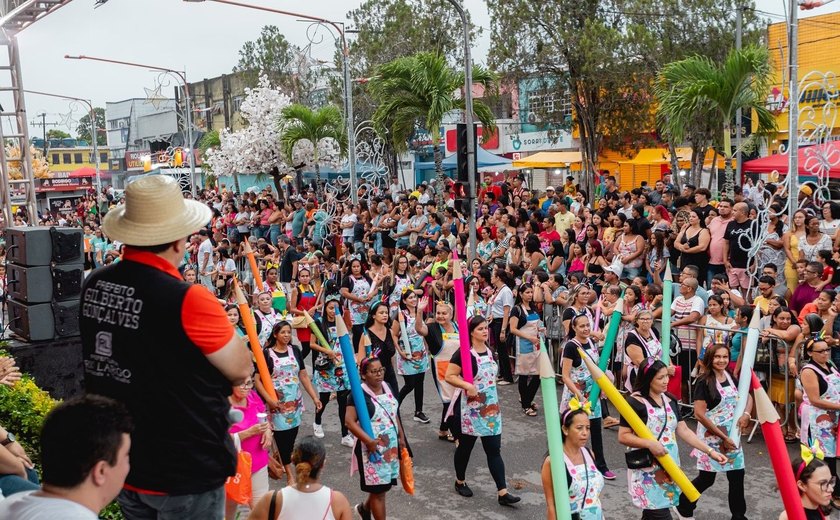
<point>43,284</point>
<point>33,245</point>
<point>44,321</point>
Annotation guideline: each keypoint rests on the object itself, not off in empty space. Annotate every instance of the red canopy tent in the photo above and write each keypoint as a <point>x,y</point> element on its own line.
<point>87,171</point>
<point>810,159</point>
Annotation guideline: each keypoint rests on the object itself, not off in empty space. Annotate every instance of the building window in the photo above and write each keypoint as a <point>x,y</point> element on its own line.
<point>103,157</point>
<point>237,102</point>
<point>66,159</point>
<point>548,102</point>
<point>55,158</point>
<point>77,158</point>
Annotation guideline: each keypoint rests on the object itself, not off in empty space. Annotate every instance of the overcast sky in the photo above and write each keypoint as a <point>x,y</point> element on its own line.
<point>204,38</point>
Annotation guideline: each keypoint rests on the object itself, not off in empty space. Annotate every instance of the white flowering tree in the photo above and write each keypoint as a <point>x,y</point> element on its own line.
<point>255,148</point>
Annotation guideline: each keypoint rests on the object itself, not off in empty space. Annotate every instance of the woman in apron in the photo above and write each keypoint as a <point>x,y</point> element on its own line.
<point>357,290</point>
<point>820,404</point>
<point>584,479</point>
<point>442,340</point>
<point>478,415</point>
<point>412,357</point>
<point>578,383</point>
<point>288,374</point>
<point>266,317</point>
<point>527,327</point>
<point>813,480</point>
<point>378,458</point>
<point>641,343</point>
<point>329,373</point>
<point>400,279</point>
<point>715,399</point>
<point>651,489</point>
<point>304,297</point>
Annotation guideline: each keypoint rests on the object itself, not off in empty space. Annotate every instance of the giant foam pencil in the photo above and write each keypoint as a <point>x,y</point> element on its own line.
<point>316,331</point>
<point>254,340</point>
<point>776,448</point>
<point>346,344</point>
<point>639,427</point>
<point>744,380</point>
<point>609,343</point>
<point>548,387</point>
<point>461,319</point>
<point>667,297</point>
<point>252,260</point>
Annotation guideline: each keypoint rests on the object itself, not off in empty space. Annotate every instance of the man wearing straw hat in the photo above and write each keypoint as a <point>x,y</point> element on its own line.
<point>165,349</point>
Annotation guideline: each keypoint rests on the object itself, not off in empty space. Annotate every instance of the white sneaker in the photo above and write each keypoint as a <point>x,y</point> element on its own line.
<point>348,440</point>
<point>318,430</point>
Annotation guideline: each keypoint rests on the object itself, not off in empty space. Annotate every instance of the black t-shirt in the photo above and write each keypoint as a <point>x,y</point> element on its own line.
<point>386,348</point>
<point>358,232</point>
<point>434,339</point>
<point>709,393</point>
<point>284,273</point>
<point>821,375</point>
<point>349,282</point>
<point>738,256</point>
<point>641,409</point>
<point>270,362</point>
<point>456,359</point>
<point>521,315</point>
<point>570,351</point>
<point>705,210</point>
<point>633,339</point>
<point>371,408</point>
<point>570,313</point>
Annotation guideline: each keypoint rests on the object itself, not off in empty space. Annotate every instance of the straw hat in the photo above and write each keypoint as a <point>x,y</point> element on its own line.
<point>155,212</point>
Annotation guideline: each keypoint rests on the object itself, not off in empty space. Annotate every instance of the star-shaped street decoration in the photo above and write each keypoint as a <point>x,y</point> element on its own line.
<point>68,120</point>
<point>154,97</point>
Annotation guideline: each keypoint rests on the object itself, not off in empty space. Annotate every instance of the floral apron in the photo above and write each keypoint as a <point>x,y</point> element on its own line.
<point>481,416</point>
<point>400,282</point>
<point>652,348</point>
<point>416,348</point>
<point>359,310</point>
<point>583,380</point>
<point>451,344</point>
<point>386,468</point>
<point>528,354</point>
<point>817,423</point>
<point>652,488</point>
<point>287,385</point>
<point>585,487</point>
<point>722,415</point>
<point>330,376</point>
<point>267,322</point>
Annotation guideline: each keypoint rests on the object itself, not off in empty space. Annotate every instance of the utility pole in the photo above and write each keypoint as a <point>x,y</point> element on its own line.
<point>793,110</point>
<point>43,124</point>
<point>739,21</point>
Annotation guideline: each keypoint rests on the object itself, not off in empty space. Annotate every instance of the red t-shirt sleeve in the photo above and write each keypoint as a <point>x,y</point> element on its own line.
<point>204,320</point>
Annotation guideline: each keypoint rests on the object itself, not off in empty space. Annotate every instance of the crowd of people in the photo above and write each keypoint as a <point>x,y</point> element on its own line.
<point>548,271</point>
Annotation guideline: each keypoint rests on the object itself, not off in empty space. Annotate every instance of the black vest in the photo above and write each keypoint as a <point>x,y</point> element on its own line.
<point>136,351</point>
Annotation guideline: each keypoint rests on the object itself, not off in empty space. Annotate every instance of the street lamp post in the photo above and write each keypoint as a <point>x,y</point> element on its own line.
<point>468,119</point>
<point>348,85</point>
<point>182,75</point>
<point>93,135</point>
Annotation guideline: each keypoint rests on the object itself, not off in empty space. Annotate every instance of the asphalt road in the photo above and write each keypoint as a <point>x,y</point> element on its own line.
<point>523,447</point>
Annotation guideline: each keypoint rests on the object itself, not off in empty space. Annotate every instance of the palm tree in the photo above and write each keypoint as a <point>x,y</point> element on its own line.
<point>419,90</point>
<point>301,123</point>
<point>697,85</point>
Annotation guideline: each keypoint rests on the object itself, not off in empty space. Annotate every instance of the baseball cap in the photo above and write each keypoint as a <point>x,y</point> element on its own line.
<point>549,188</point>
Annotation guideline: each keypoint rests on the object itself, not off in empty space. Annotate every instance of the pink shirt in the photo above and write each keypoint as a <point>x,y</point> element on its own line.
<point>717,228</point>
<point>254,405</point>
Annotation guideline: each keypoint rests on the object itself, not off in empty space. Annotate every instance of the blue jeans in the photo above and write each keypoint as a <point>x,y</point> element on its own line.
<point>209,505</point>
<point>274,233</point>
<point>11,484</point>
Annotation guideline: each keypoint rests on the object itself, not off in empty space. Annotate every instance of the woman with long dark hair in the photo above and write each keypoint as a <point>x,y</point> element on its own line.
<point>527,327</point>
<point>500,304</point>
<point>357,289</point>
<point>412,356</point>
<point>477,413</point>
<point>329,372</point>
<point>815,482</point>
<point>383,344</point>
<point>693,244</point>
<point>715,400</point>
<point>651,490</point>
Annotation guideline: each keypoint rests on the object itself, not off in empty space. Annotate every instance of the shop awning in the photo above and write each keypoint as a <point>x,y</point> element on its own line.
<point>549,160</point>
<point>654,156</point>
<point>484,160</point>
<point>811,160</point>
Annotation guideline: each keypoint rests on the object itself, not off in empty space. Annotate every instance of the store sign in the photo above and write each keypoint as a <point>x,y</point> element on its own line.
<point>536,141</point>
<point>62,184</point>
<point>451,140</point>
<point>423,138</point>
<point>134,160</point>
<point>63,205</point>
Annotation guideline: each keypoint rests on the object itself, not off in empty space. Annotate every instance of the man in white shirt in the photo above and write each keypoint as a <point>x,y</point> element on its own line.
<point>424,193</point>
<point>686,309</point>
<point>84,452</point>
<point>205,259</point>
<point>627,208</point>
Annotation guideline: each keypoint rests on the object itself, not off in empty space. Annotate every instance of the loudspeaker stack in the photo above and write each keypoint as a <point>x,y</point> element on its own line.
<point>44,278</point>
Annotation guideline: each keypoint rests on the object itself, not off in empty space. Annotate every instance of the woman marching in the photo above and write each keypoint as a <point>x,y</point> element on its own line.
<point>383,344</point>
<point>641,343</point>
<point>412,357</point>
<point>304,297</point>
<point>329,373</point>
<point>442,340</point>
<point>578,383</point>
<point>477,413</point>
<point>585,481</point>
<point>651,490</point>
<point>820,404</point>
<point>715,399</point>
<point>288,373</point>
<point>526,326</point>
<point>357,290</point>
<point>815,482</point>
<point>399,279</point>
<point>378,458</point>
<point>266,317</point>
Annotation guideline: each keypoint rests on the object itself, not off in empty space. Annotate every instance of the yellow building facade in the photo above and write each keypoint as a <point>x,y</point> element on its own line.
<point>71,159</point>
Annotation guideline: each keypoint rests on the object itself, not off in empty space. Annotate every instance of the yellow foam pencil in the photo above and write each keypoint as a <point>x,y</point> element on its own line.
<point>639,427</point>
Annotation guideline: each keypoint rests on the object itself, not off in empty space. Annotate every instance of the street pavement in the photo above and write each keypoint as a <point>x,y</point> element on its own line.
<point>523,448</point>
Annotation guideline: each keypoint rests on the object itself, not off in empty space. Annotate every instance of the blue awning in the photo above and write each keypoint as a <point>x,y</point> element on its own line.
<point>484,159</point>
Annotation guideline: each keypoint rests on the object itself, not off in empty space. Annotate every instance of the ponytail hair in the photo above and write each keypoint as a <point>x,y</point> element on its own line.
<point>308,457</point>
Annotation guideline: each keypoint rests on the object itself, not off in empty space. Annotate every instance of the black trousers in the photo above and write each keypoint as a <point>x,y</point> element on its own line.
<point>656,514</point>
<point>528,386</point>
<point>492,449</point>
<point>413,383</point>
<point>341,398</point>
<point>502,349</point>
<point>595,434</point>
<point>703,481</point>
<point>357,331</point>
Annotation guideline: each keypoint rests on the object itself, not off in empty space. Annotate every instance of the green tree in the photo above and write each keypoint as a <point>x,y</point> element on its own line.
<point>286,65</point>
<point>417,91</point>
<point>700,87</point>
<point>57,134</point>
<point>84,131</point>
<point>300,123</point>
